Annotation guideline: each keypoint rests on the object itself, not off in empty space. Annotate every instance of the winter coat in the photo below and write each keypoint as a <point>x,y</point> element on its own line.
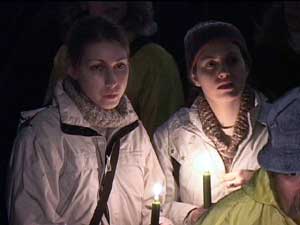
<point>254,204</point>
<point>58,160</point>
<point>185,152</point>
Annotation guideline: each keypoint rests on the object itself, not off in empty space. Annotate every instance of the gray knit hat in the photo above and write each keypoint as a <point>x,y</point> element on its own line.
<point>282,152</point>
<point>203,32</point>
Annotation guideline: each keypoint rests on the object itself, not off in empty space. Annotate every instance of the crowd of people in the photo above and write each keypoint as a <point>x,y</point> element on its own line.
<point>116,118</point>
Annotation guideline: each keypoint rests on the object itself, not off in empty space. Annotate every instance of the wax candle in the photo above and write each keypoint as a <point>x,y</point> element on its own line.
<point>156,205</point>
<point>155,212</point>
<point>206,190</point>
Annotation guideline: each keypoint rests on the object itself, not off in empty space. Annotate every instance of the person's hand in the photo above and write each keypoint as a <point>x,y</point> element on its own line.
<point>235,180</point>
<point>165,221</point>
<point>195,215</point>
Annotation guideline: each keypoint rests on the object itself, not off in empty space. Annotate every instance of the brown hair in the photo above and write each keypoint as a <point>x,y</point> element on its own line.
<point>92,29</point>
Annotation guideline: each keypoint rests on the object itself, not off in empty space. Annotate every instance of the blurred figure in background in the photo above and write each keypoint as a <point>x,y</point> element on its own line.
<point>154,85</point>
<point>277,52</point>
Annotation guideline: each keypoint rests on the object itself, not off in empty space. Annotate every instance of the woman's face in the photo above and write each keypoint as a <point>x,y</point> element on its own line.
<point>220,71</point>
<point>102,73</point>
<point>288,191</point>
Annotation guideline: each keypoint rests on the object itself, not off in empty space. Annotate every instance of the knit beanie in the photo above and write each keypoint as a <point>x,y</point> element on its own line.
<point>203,32</point>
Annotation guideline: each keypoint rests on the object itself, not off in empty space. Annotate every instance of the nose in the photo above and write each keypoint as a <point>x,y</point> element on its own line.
<point>223,76</point>
<point>110,79</point>
<point>224,73</point>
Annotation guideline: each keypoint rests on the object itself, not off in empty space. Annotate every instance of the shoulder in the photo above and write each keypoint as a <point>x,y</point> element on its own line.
<point>36,126</point>
<point>139,130</point>
<point>235,206</point>
<point>153,47</point>
<point>262,106</point>
<point>46,115</point>
<point>155,51</point>
<point>177,121</point>
<point>260,98</point>
<point>138,136</point>
<point>43,122</point>
<point>40,139</point>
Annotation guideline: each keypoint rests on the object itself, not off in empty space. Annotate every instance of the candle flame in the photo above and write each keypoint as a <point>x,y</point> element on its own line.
<point>206,173</point>
<point>157,189</point>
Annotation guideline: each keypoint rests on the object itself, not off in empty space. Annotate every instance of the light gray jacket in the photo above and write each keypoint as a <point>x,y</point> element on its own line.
<point>182,139</point>
<point>54,174</point>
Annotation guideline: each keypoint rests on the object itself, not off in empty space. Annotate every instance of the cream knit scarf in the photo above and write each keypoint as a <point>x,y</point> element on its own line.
<point>99,118</point>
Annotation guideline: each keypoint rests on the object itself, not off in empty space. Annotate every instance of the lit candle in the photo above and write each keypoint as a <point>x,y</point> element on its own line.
<point>206,190</point>
<point>156,204</point>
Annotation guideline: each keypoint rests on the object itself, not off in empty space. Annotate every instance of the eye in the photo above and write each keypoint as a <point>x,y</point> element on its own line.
<point>120,66</point>
<point>211,64</point>
<point>97,67</point>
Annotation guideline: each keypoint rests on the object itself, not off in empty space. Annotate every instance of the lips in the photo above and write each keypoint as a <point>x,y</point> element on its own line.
<point>111,96</point>
<point>226,86</point>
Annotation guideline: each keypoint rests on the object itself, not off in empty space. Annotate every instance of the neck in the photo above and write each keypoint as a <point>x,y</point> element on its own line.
<point>226,112</point>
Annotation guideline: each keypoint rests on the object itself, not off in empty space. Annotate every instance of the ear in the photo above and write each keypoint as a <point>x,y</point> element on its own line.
<point>72,72</point>
<point>195,80</point>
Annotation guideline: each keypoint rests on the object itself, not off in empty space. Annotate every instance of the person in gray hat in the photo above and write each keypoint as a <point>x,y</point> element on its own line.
<point>273,195</point>
<point>220,132</point>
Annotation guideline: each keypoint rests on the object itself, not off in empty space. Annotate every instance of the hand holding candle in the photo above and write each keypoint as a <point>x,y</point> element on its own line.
<point>236,179</point>
<point>156,204</point>
<point>206,190</point>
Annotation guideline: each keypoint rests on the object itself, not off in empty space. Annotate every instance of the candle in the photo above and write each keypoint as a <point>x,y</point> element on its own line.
<point>206,190</point>
<point>156,205</point>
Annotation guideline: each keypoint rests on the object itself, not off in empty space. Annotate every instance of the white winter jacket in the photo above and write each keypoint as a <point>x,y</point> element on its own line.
<point>54,174</point>
<point>182,140</point>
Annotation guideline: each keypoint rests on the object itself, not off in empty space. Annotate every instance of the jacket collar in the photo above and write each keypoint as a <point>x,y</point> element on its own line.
<point>68,111</point>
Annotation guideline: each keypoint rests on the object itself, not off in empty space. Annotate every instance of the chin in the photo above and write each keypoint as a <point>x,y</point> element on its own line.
<point>110,105</point>
<point>229,96</point>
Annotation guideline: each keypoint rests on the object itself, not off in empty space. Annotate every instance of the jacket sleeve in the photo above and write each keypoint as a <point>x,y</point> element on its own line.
<point>32,190</point>
<point>173,209</point>
<point>152,175</point>
<point>218,216</point>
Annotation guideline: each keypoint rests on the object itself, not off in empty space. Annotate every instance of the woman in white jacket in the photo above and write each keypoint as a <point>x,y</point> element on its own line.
<point>220,132</point>
<point>61,155</point>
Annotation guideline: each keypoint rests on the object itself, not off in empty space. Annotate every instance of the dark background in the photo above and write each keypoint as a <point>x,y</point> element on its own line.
<point>30,39</point>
